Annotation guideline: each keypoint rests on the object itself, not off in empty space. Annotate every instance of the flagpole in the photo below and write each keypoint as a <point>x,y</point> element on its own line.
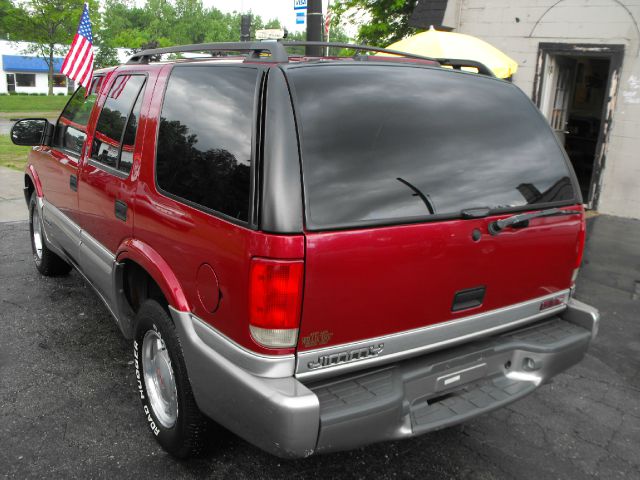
<point>78,63</point>
<point>327,27</point>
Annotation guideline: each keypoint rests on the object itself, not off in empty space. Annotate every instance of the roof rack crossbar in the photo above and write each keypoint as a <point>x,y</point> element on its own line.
<point>455,63</point>
<point>357,47</point>
<point>253,49</point>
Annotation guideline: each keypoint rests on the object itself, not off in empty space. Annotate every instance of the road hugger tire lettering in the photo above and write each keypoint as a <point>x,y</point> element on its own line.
<point>180,428</point>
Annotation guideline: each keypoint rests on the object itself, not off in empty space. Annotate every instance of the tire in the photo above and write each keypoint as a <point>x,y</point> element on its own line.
<point>163,384</point>
<point>48,263</point>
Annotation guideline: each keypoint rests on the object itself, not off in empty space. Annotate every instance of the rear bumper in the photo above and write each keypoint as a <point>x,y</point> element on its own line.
<point>290,419</point>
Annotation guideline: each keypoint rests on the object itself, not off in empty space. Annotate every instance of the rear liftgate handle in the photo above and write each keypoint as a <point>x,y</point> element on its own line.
<point>469,298</point>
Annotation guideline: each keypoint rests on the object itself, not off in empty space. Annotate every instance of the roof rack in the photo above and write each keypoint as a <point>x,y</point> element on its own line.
<point>278,53</point>
<point>459,64</point>
<point>353,46</point>
<point>253,49</point>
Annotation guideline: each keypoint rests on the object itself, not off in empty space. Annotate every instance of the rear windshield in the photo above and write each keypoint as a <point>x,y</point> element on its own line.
<point>390,144</point>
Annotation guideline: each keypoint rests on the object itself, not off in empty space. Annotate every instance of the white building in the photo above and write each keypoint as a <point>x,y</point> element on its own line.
<point>22,73</point>
<point>579,61</point>
<point>26,73</point>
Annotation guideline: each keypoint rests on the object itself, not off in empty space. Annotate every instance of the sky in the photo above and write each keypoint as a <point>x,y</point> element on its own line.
<point>267,9</point>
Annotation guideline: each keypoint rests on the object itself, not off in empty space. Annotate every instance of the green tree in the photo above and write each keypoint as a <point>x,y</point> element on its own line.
<point>336,35</point>
<point>164,23</point>
<point>122,24</point>
<point>388,20</point>
<point>160,17</point>
<point>105,56</point>
<point>47,24</point>
<point>6,16</point>
<point>191,22</point>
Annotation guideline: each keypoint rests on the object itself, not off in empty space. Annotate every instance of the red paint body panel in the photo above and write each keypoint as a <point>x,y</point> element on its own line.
<point>153,263</point>
<point>35,179</point>
<point>185,238</point>
<point>366,283</point>
<point>55,168</point>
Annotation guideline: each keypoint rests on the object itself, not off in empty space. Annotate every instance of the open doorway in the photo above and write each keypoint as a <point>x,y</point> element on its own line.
<point>575,85</point>
<point>11,83</point>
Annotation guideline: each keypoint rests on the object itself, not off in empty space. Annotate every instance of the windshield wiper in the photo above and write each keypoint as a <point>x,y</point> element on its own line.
<point>425,198</point>
<point>522,220</point>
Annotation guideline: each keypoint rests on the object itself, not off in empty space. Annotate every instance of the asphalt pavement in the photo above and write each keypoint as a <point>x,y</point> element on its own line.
<point>68,404</point>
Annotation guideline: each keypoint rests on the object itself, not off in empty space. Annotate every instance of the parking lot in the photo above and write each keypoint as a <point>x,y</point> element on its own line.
<point>68,404</point>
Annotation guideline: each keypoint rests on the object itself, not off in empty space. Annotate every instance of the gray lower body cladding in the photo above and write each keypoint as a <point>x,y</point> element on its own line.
<point>445,388</point>
<point>408,398</point>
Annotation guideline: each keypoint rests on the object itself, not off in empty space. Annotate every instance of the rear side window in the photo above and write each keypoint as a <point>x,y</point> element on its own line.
<point>129,138</point>
<point>204,137</point>
<point>113,143</point>
<point>392,144</point>
<point>71,129</point>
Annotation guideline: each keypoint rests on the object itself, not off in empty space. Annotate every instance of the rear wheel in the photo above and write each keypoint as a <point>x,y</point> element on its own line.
<point>163,384</point>
<point>47,262</point>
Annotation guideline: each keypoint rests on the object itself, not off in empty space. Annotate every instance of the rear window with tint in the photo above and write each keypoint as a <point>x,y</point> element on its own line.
<point>390,144</point>
<point>204,138</point>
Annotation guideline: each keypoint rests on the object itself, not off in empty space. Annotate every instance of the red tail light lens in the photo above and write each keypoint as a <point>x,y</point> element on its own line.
<point>275,301</point>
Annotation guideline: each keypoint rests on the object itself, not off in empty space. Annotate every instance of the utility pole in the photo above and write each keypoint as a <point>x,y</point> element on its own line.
<point>245,28</point>
<point>314,27</point>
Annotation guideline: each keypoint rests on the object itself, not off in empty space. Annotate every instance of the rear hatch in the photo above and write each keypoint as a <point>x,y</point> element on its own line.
<point>404,169</point>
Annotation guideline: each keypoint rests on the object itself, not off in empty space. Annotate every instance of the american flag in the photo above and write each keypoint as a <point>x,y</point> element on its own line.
<point>327,22</point>
<point>78,64</point>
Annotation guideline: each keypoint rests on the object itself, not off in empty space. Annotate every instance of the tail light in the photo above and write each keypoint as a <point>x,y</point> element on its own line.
<point>275,301</point>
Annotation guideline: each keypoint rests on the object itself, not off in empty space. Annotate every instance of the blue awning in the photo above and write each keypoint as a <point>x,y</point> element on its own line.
<point>18,63</point>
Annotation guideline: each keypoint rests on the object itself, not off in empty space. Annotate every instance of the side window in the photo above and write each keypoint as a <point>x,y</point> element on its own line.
<point>129,139</point>
<point>72,125</point>
<point>113,143</point>
<point>204,138</point>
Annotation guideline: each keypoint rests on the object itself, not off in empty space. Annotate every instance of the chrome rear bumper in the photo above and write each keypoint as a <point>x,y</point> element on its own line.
<point>290,419</point>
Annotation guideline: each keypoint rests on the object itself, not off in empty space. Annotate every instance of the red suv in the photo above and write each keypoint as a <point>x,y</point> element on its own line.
<point>316,253</point>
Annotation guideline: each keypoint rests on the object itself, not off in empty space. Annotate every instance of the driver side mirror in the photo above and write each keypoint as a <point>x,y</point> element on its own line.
<point>31,132</point>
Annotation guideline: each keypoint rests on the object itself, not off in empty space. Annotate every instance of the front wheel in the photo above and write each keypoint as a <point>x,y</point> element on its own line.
<point>48,263</point>
<point>163,384</point>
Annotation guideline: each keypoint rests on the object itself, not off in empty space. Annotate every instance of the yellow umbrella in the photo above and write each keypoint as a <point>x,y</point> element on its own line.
<point>437,44</point>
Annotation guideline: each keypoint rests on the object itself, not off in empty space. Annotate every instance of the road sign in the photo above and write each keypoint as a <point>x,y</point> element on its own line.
<point>299,4</point>
<point>270,34</point>
<point>301,17</point>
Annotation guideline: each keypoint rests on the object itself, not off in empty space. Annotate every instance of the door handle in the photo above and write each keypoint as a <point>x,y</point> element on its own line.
<point>73,183</point>
<point>121,210</point>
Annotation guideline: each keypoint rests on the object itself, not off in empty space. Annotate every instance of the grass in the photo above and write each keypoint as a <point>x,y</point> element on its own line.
<point>12,156</point>
<point>23,106</point>
<point>11,104</point>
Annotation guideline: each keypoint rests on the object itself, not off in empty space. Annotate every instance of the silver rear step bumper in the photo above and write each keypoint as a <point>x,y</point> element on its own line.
<point>290,419</point>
